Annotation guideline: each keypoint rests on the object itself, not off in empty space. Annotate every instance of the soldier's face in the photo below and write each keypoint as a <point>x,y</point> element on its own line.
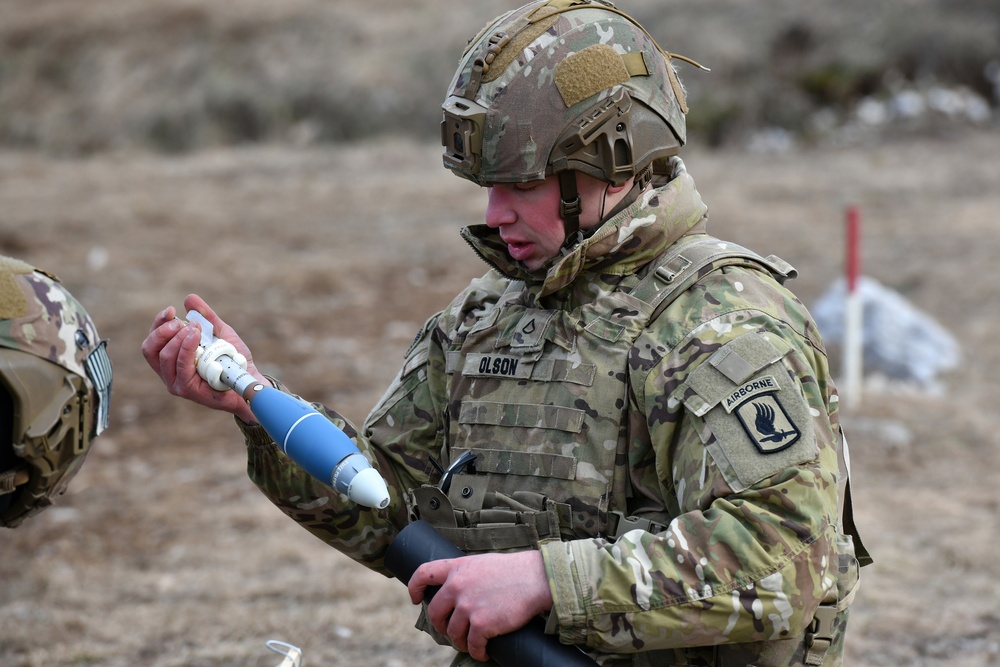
<point>527,215</point>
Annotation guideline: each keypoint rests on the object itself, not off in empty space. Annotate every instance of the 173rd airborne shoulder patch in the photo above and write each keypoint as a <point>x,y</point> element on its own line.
<point>759,419</point>
<point>764,419</point>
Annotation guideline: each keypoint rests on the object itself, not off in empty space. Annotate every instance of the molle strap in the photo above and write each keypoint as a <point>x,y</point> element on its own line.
<point>476,521</point>
<point>492,538</point>
<point>524,415</point>
<point>501,529</point>
<point>510,462</point>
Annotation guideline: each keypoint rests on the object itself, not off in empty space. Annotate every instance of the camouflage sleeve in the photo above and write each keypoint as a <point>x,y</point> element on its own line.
<point>398,437</point>
<point>744,452</point>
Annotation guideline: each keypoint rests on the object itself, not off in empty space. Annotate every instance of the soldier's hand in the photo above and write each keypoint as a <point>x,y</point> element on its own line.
<point>482,596</point>
<point>170,350</point>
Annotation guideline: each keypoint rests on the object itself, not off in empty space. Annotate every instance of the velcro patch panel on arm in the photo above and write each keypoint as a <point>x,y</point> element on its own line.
<point>756,412</point>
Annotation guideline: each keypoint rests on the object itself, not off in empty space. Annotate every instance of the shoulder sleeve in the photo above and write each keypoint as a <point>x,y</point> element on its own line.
<point>737,412</point>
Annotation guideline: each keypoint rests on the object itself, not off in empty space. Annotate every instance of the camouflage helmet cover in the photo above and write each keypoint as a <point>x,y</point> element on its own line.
<point>55,382</point>
<point>562,85</point>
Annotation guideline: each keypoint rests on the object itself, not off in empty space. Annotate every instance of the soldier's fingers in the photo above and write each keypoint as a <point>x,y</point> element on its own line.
<point>440,609</point>
<point>165,315</point>
<point>166,359</point>
<point>159,337</point>
<point>177,361</point>
<point>187,354</point>
<point>195,302</point>
<point>162,330</point>
<point>476,645</point>
<point>222,330</point>
<point>428,574</point>
<point>458,630</point>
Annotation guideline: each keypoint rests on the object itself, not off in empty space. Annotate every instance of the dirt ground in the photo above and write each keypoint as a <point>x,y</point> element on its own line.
<point>327,260</point>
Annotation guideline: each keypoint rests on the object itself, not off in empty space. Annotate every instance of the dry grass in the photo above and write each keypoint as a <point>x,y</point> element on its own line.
<point>327,257</point>
<point>163,554</point>
<point>179,75</point>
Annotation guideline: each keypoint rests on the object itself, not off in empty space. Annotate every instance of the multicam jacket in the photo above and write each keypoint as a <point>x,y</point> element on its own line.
<point>675,460</point>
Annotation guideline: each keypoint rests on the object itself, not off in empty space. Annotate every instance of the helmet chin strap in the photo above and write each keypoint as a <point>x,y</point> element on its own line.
<point>570,205</point>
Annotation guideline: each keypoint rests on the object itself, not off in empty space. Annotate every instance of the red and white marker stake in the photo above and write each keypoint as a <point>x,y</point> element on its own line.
<point>853,356</point>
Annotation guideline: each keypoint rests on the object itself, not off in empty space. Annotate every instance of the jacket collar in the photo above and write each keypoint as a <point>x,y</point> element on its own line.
<point>620,246</point>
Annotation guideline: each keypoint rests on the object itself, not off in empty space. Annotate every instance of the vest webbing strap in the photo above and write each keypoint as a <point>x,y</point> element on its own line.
<point>680,267</point>
<point>499,529</point>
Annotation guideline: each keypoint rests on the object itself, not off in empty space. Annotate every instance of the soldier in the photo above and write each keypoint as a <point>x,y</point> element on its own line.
<point>629,425</point>
<point>55,386</point>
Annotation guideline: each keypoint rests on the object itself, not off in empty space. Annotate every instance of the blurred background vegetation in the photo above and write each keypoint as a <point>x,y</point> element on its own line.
<point>85,76</point>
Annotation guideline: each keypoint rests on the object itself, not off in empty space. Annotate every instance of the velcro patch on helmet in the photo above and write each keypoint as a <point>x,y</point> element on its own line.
<point>588,72</point>
<point>12,300</point>
<point>519,41</point>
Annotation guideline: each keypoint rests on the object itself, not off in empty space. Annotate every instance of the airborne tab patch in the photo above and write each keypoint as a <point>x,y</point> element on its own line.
<point>764,419</point>
<point>762,385</point>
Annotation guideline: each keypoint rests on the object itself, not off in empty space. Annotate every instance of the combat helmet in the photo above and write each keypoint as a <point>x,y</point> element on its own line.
<point>55,385</point>
<point>560,86</point>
